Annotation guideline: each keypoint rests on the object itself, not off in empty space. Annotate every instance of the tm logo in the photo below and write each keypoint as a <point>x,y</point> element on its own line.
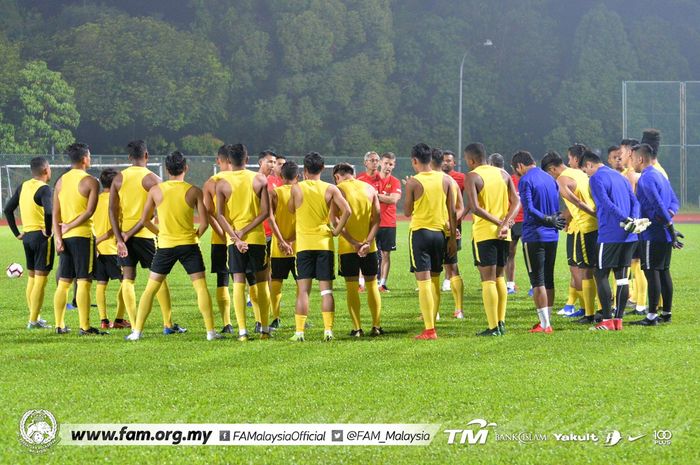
<point>468,436</point>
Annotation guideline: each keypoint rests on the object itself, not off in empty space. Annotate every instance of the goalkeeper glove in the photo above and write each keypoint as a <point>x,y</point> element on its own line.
<point>675,236</point>
<point>555,221</point>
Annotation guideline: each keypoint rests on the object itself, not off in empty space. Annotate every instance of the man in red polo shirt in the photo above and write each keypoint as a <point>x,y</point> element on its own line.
<point>372,177</point>
<point>389,194</point>
<point>448,167</point>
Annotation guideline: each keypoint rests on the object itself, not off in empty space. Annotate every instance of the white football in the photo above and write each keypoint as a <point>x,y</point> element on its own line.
<point>15,270</point>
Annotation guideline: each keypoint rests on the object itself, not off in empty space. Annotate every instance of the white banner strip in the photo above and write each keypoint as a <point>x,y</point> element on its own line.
<point>189,434</point>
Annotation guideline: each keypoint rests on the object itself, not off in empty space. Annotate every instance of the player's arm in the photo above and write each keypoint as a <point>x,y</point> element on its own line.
<point>410,196</point>
<point>146,216</point>
<point>394,196</point>
<point>601,199</point>
<point>44,198</point>
<point>342,206</point>
<point>92,186</point>
<point>651,194</point>
<point>202,211</point>
<point>56,214</point>
<point>451,214</point>
<point>260,186</point>
<point>103,237</point>
<point>114,212</point>
<point>283,244</point>
<point>375,220</point>
<point>675,205</point>
<point>223,193</point>
<point>472,184</point>
<point>209,192</point>
<point>294,199</point>
<point>9,212</point>
<point>567,186</point>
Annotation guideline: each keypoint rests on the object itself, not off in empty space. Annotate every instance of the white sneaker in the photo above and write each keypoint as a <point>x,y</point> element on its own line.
<point>437,317</point>
<point>459,314</point>
<point>446,285</point>
<point>211,335</point>
<point>134,336</point>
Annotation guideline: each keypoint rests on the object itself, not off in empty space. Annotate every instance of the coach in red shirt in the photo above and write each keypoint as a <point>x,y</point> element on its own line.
<point>389,192</point>
<point>371,176</point>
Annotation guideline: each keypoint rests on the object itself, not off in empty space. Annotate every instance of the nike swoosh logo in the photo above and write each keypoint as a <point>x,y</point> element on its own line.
<point>634,438</point>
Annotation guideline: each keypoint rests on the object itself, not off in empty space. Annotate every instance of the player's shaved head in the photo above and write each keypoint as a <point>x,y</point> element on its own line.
<point>343,169</point>
<point>238,154</point>
<point>476,152</point>
<point>437,157</point>
<point>290,171</point>
<point>137,149</point>
<point>38,165</point>
<point>76,152</point>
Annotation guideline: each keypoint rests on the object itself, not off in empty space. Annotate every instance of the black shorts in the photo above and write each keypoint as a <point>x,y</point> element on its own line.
<point>281,267</point>
<point>107,267</point>
<point>451,259</point>
<point>637,255</point>
<point>189,255</point>
<point>316,264</point>
<point>540,258</point>
<point>615,255</point>
<point>351,264</point>
<point>251,262</point>
<point>386,239</point>
<point>570,240</point>
<point>141,250</point>
<point>586,246</point>
<point>516,231</point>
<point>77,259</point>
<point>219,258</point>
<point>490,252</point>
<point>38,251</point>
<point>427,250</point>
<point>656,255</point>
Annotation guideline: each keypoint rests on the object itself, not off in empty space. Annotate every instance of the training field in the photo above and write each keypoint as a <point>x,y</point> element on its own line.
<point>573,381</point>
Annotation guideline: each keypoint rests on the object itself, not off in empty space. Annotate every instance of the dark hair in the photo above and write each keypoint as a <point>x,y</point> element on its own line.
<point>279,155</point>
<point>646,150</point>
<point>448,152</point>
<point>343,168</point>
<point>476,151</point>
<point>313,162</point>
<point>630,142</point>
<point>224,152</point>
<point>107,176</point>
<point>522,157</point>
<point>437,156</point>
<point>496,159</point>
<point>422,153</point>
<point>389,155</point>
<point>175,163</point>
<point>589,156</point>
<point>77,151</point>
<point>37,165</point>
<point>238,154</point>
<point>265,153</point>
<point>551,158</point>
<point>653,138</point>
<point>577,151</point>
<point>613,148</point>
<point>290,170</point>
<point>137,149</point>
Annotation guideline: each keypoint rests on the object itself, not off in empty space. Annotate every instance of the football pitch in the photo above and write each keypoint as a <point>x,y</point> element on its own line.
<point>574,381</point>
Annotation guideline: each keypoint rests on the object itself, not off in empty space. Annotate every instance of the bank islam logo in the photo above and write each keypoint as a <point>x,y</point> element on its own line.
<point>38,430</point>
<point>468,436</point>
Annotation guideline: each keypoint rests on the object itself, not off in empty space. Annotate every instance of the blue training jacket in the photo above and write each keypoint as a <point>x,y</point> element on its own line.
<point>658,202</point>
<point>615,202</point>
<point>539,197</point>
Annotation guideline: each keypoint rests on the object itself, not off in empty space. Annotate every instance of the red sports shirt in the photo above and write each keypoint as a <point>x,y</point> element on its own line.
<point>459,177</point>
<point>388,186</point>
<point>519,216</point>
<point>272,182</point>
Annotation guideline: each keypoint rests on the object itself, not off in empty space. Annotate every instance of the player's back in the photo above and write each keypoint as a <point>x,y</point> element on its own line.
<point>541,190</point>
<point>175,215</point>
<point>73,203</point>
<point>31,213</point>
<point>313,230</point>
<point>360,201</point>
<point>585,223</point>
<point>286,221</point>
<point>243,205</point>
<point>100,225</point>
<point>428,208</point>
<point>493,197</point>
<point>656,196</point>
<point>132,199</point>
<point>607,182</point>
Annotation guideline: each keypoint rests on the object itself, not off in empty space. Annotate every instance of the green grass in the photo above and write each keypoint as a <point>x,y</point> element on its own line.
<point>573,381</point>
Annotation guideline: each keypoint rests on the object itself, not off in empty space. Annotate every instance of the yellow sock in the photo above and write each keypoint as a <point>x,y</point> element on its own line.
<point>661,302</point>
<point>457,286</point>
<point>427,303</point>
<point>641,286</point>
<point>101,298</point>
<point>59,302</point>
<point>489,294</point>
<point>328,318</point>
<point>239,304</point>
<point>121,308</point>
<point>435,281</point>
<point>263,294</point>
<point>502,290</point>
<point>28,291</point>
<point>572,296</point>
<point>129,296</point>
<point>589,297</point>
<point>352,298</point>
<point>166,307</point>
<point>254,300</point>
<point>204,302</point>
<point>581,301</point>
<point>299,322</point>
<point>374,302</point>
<point>37,297</point>
<point>223,301</point>
<point>82,298</point>
<point>275,297</point>
<point>146,303</point>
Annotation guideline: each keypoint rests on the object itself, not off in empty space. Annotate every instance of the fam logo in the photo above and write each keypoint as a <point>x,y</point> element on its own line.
<point>38,430</point>
<point>468,436</point>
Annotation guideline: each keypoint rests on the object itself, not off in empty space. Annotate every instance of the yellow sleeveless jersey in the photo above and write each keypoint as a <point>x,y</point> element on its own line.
<point>429,207</point>
<point>493,198</point>
<point>661,169</point>
<point>31,213</point>
<point>585,223</point>
<point>244,205</point>
<point>73,204</point>
<point>175,216</point>
<point>286,221</point>
<point>358,224</point>
<point>215,238</point>
<point>132,199</point>
<point>313,227</point>
<point>100,225</point>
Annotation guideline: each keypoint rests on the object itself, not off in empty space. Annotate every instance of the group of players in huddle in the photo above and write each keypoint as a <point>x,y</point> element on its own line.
<point>269,224</point>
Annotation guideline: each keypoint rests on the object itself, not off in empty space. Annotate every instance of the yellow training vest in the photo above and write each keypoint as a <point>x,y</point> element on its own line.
<point>175,216</point>
<point>358,224</point>
<point>244,204</point>
<point>73,204</point>
<point>493,198</point>
<point>31,213</point>
<point>585,223</point>
<point>100,225</point>
<point>132,199</point>
<point>661,169</point>
<point>286,221</point>
<point>313,227</point>
<point>215,238</point>
<point>429,207</point>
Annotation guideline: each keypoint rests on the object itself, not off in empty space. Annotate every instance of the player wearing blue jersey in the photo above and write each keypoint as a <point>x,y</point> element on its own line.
<point>616,208</point>
<point>539,197</point>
